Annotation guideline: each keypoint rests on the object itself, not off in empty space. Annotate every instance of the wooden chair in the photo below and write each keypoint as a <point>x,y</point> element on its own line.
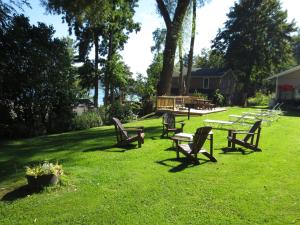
<point>123,138</point>
<point>248,141</point>
<point>193,149</point>
<point>169,124</point>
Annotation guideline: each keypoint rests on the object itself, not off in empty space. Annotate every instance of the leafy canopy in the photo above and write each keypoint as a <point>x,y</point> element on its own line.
<point>256,37</point>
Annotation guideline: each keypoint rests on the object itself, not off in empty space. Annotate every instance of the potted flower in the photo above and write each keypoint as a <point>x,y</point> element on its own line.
<point>43,174</point>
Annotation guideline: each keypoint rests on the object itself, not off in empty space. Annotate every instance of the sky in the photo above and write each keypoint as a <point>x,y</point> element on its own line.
<point>137,54</point>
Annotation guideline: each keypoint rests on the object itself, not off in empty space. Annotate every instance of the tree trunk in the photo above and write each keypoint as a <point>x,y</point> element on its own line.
<point>191,53</point>
<point>164,84</point>
<point>108,70</point>
<point>96,93</point>
<point>173,29</point>
<point>180,78</point>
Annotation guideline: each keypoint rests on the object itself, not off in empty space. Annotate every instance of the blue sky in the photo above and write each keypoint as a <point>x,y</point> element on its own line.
<point>137,52</point>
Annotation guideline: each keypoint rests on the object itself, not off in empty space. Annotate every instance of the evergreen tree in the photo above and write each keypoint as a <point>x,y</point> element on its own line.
<point>255,41</point>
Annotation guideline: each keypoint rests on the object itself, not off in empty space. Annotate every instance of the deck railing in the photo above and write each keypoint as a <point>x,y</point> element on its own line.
<point>177,102</point>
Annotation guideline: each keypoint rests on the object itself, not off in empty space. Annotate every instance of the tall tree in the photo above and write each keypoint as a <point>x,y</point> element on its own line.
<point>85,19</point>
<point>192,42</point>
<point>191,52</point>
<point>105,24</point>
<point>255,41</point>
<point>180,53</point>
<point>296,47</point>
<point>117,29</point>
<point>37,81</point>
<point>173,20</point>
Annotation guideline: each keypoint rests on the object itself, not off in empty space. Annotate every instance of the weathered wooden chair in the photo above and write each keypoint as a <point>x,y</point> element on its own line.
<point>123,138</point>
<point>193,149</point>
<point>248,142</point>
<point>169,124</point>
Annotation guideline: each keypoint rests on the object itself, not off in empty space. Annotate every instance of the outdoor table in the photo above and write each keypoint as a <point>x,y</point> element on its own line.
<point>177,138</point>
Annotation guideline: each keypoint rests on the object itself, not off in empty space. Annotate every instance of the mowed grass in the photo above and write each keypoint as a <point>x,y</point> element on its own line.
<point>104,184</point>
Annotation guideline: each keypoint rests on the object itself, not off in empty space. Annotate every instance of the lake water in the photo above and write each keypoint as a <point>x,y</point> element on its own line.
<point>101,95</point>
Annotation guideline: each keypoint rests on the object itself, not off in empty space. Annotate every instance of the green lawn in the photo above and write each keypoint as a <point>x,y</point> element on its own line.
<point>108,185</point>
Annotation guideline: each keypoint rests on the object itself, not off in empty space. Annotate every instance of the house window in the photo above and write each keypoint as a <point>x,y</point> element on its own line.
<point>205,83</point>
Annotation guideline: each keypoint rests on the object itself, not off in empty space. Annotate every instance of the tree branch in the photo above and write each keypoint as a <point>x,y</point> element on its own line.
<point>164,12</point>
<point>181,9</point>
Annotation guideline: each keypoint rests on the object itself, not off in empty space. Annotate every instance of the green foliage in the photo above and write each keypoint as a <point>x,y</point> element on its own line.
<point>260,99</point>
<point>37,80</point>
<point>218,98</point>
<point>200,95</point>
<point>159,38</point>
<point>255,41</point>
<point>124,112</point>
<point>45,168</point>
<point>87,120</point>
<point>209,59</point>
<point>7,10</point>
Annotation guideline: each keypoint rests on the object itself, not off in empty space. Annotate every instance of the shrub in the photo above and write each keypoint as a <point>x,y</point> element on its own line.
<point>200,95</point>
<point>218,98</point>
<point>124,112</point>
<point>87,120</point>
<point>259,99</point>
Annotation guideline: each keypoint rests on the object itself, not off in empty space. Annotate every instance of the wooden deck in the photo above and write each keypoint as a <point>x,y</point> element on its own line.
<point>198,112</point>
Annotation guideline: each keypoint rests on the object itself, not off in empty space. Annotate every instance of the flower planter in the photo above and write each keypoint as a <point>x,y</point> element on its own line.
<point>42,181</point>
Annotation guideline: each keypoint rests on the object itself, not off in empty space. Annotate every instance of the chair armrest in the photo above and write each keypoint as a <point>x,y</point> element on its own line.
<point>137,127</point>
<point>242,132</point>
<point>141,129</point>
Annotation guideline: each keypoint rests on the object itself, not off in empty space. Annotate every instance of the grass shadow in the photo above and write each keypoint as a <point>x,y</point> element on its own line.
<point>184,164</point>
<point>227,150</point>
<point>291,113</point>
<point>110,148</point>
<point>172,148</point>
<point>19,193</point>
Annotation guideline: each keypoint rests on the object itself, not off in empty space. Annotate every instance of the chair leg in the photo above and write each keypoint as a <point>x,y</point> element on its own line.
<point>229,135</point>
<point>211,158</point>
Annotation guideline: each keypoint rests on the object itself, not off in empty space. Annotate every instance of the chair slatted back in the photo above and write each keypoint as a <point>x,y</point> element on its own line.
<point>169,118</point>
<point>199,138</point>
<point>253,129</point>
<point>120,130</point>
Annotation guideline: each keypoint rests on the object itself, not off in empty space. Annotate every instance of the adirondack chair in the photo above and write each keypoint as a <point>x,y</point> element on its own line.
<point>169,124</point>
<point>248,141</point>
<point>123,138</point>
<point>193,149</point>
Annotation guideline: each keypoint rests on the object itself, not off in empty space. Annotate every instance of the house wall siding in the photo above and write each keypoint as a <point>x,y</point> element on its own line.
<point>291,79</point>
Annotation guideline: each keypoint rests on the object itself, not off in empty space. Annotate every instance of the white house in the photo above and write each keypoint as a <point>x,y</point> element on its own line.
<point>287,84</point>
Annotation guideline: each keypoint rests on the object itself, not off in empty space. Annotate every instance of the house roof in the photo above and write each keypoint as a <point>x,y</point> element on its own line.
<point>207,72</point>
<point>286,72</point>
<point>202,72</point>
